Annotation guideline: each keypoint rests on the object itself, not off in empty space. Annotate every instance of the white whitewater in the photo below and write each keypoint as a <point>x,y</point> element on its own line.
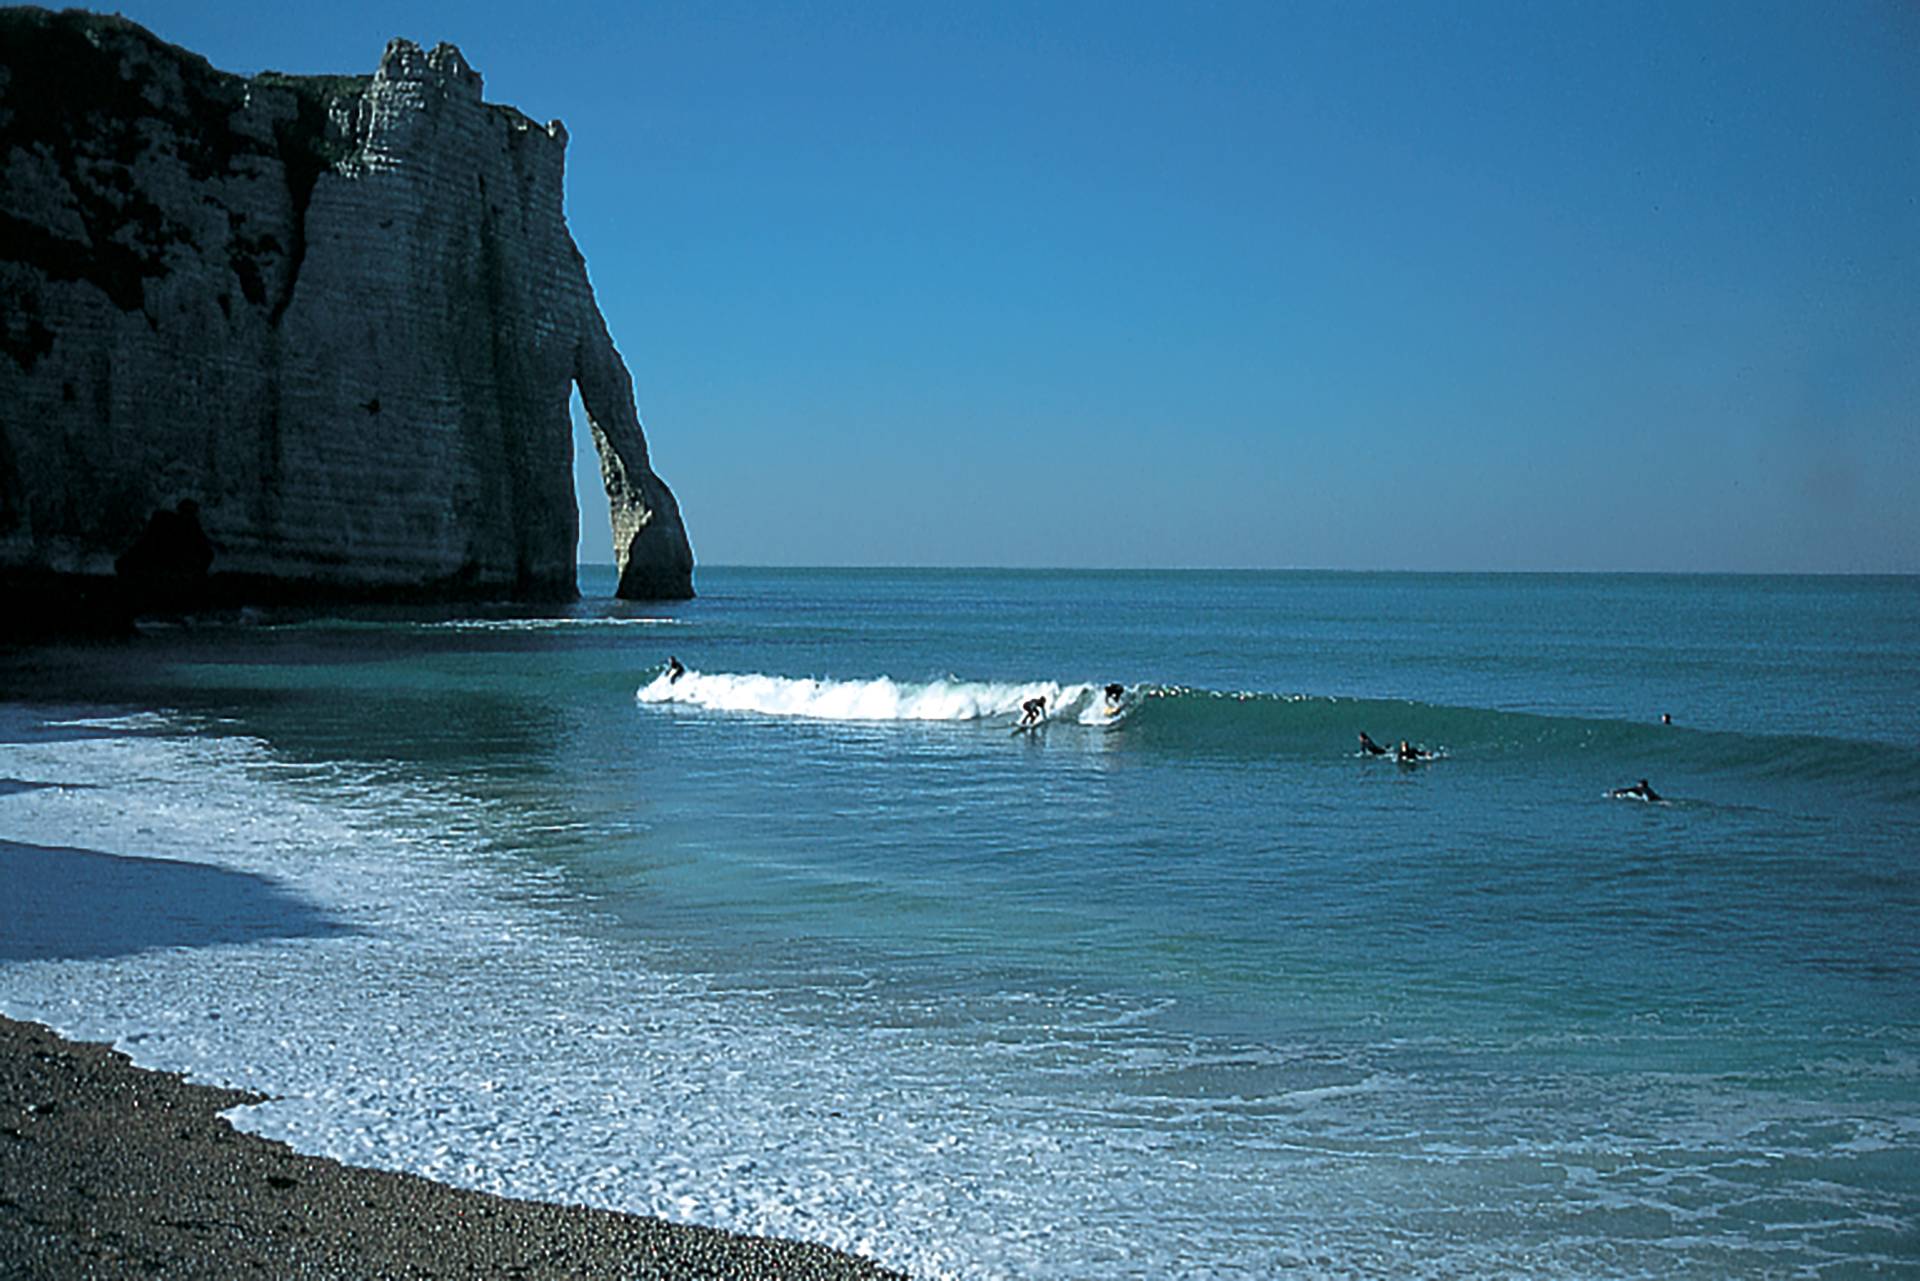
<point>878,699</point>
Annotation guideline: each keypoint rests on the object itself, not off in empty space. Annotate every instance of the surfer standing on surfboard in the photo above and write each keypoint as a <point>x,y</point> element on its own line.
<point>1032,710</point>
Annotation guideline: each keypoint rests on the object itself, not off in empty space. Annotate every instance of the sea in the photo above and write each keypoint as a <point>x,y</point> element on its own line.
<point>812,941</point>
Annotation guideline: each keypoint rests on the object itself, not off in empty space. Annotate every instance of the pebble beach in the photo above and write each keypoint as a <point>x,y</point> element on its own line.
<point>109,1170</point>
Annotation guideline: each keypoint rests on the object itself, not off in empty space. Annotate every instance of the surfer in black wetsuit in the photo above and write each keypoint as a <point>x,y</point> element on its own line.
<point>1411,755</point>
<point>1641,791</point>
<point>1115,692</point>
<point>1370,747</point>
<point>1032,710</point>
<point>674,670</point>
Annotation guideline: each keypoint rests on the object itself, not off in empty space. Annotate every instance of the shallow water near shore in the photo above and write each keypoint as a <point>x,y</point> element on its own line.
<point>808,943</point>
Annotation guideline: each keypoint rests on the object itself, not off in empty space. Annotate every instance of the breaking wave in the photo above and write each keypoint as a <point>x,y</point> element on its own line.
<point>1247,725</point>
<point>878,699</point>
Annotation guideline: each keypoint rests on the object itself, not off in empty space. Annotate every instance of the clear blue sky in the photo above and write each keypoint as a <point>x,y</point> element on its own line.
<point>1446,286</point>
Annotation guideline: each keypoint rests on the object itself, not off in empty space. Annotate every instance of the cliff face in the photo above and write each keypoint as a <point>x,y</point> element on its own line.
<point>326,328</point>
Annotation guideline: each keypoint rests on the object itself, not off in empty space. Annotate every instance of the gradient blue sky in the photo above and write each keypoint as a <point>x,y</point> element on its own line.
<point>1463,286</point>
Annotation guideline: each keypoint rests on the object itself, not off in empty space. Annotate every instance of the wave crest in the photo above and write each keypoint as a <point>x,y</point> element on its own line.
<point>1195,723</point>
<point>879,699</point>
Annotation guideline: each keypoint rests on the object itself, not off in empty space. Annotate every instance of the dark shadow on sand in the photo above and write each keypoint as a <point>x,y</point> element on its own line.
<point>30,722</point>
<point>12,786</point>
<point>75,904</point>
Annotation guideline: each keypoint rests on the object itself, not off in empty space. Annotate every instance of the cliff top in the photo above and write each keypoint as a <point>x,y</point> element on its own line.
<point>78,58</point>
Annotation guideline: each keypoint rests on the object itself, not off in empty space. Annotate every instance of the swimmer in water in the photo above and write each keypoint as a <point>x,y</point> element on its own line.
<point>1641,791</point>
<point>1370,747</point>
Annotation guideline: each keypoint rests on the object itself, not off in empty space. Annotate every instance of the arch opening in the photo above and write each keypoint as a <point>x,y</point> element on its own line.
<point>594,544</point>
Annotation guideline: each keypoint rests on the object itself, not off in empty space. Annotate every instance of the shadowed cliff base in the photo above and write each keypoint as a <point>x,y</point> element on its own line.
<point>111,1171</point>
<point>38,607</point>
<point>292,338</point>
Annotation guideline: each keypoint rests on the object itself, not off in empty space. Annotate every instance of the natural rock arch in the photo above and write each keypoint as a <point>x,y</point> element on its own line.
<point>341,314</point>
<point>650,548</point>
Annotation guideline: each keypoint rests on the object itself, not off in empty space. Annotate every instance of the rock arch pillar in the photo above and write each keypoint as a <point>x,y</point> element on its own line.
<point>650,549</point>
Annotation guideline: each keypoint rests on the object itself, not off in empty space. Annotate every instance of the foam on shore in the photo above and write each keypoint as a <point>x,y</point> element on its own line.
<point>450,1026</point>
<point>438,1005</point>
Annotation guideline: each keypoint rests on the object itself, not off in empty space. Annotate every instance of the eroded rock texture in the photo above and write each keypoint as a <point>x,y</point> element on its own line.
<point>337,317</point>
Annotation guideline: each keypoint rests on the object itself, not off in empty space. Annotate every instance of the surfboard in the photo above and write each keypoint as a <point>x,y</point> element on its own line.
<point>1029,728</point>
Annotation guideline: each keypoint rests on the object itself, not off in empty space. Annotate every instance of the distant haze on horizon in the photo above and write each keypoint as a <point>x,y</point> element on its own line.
<point>1499,286</point>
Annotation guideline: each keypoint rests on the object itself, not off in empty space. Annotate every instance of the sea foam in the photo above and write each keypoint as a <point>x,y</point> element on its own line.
<point>878,699</point>
<point>449,1026</point>
<point>461,1019</point>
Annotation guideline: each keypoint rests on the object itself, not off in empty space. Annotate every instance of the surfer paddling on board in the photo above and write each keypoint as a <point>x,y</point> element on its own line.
<point>1032,710</point>
<point>674,670</point>
<point>1641,791</point>
<point>1370,747</point>
<point>1408,754</point>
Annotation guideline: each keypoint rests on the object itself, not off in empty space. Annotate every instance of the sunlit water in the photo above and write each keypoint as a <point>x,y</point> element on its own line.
<point>808,942</point>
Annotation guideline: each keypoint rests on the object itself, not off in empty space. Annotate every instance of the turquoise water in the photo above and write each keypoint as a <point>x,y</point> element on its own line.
<point>809,943</point>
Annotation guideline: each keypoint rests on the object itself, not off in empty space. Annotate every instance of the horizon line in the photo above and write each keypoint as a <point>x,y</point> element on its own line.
<point>1295,569</point>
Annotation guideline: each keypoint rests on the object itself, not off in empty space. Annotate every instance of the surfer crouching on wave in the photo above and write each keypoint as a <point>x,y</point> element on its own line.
<point>1032,710</point>
<point>1115,692</point>
<point>674,670</point>
<point>1641,791</point>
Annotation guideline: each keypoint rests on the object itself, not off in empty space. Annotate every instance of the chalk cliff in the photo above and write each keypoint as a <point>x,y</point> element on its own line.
<point>293,337</point>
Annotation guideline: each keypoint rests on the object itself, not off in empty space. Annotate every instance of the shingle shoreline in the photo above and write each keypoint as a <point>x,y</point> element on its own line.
<point>108,1170</point>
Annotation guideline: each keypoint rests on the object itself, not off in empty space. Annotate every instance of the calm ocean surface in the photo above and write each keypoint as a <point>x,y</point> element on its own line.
<point>809,944</point>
